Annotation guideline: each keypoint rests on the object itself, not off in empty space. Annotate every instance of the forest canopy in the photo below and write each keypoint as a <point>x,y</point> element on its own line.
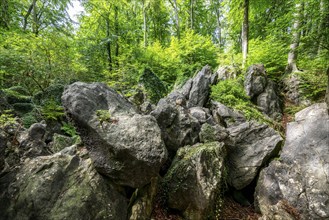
<point>115,41</point>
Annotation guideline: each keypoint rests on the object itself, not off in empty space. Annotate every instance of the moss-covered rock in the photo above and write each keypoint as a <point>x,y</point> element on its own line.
<point>210,133</point>
<point>60,142</point>
<point>193,184</point>
<point>59,187</point>
<point>142,201</point>
<point>23,108</point>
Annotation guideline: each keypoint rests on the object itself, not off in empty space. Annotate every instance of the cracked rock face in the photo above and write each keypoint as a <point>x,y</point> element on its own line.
<point>124,145</point>
<point>59,186</point>
<point>299,180</point>
<point>250,145</point>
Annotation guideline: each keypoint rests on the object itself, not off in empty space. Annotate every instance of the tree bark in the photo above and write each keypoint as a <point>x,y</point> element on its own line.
<point>296,33</point>
<point>192,14</point>
<point>145,24</point>
<point>108,43</point>
<point>245,32</point>
<point>116,28</point>
<point>174,4</point>
<point>35,26</point>
<point>327,92</point>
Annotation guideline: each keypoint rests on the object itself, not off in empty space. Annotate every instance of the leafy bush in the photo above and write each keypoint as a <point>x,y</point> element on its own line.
<point>270,52</point>
<point>52,111</point>
<point>231,93</point>
<point>7,118</point>
<point>314,84</point>
<point>153,85</point>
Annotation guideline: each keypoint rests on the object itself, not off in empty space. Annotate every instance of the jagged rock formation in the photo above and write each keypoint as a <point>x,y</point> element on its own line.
<point>175,113</point>
<point>194,181</point>
<point>122,144</point>
<point>292,90</point>
<point>297,184</point>
<point>60,186</point>
<point>263,91</point>
<point>114,172</point>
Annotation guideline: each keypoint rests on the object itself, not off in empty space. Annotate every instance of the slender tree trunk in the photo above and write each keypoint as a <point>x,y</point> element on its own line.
<point>108,43</point>
<point>296,33</point>
<point>116,28</point>
<point>35,26</point>
<point>327,92</point>
<point>322,24</point>
<point>192,14</point>
<point>245,32</point>
<point>219,25</point>
<point>28,13</point>
<point>145,24</point>
<point>175,6</point>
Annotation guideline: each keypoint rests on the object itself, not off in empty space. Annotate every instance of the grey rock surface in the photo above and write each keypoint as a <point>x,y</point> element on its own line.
<point>59,187</point>
<point>226,116</point>
<point>122,144</point>
<point>250,145</point>
<point>269,102</point>
<point>193,182</point>
<point>255,80</point>
<point>298,180</point>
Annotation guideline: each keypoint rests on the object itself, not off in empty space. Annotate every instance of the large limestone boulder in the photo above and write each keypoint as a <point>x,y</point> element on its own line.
<point>292,89</point>
<point>298,180</point>
<point>125,146</point>
<point>180,114</point>
<point>226,116</point>
<point>56,187</point>
<point>250,145</point>
<point>194,181</point>
<point>263,91</point>
<point>255,80</point>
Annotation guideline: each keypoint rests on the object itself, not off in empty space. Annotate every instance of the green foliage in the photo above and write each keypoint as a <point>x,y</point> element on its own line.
<point>271,52</point>
<point>29,119</point>
<point>103,116</point>
<point>7,118</point>
<point>52,111</point>
<point>231,93</point>
<point>314,84</point>
<point>69,129</point>
<point>154,86</point>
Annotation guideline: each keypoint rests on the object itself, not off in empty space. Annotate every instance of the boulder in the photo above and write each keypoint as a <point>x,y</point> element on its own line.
<point>122,144</point>
<point>178,127</point>
<point>296,184</point>
<point>250,145</point>
<point>211,133</point>
<point>142,201</point>
<point>60,142</point>
<point>226,116</point>
<point>292,90</point>
<point>60,186</point>
<point>269,101</point>
<point>227,72</point>
<point>263,91</point>
<point>255,80</point>
<point>200,89</point>
<point>181,113</point>
<point>32,142</point>
<point>194,181</point>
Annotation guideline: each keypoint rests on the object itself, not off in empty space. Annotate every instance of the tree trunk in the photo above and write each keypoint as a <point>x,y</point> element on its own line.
<point>245,32</point>
<point>192,14</point>
<point>322,24</point>
<point>145,24</point>
<point>327,92</point>
<point>116,28</point>
<point>108,44</point>
<point>35,26</point>
<point>174,4</point>
<point>292,55</point>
